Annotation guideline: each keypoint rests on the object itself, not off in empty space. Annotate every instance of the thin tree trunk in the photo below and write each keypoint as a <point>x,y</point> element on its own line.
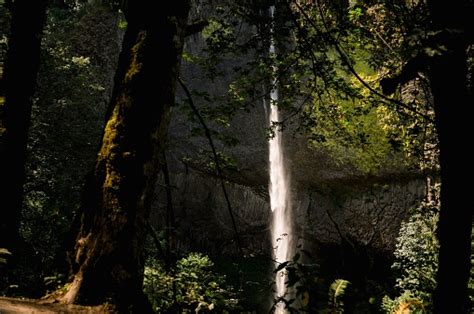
<point>21,68</point>
<point>453,102</point>
<point>170,223</point>
<point>109,247</point>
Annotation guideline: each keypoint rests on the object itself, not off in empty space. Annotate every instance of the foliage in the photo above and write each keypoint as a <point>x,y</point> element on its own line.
<point>218,35</point>
<point>54,282</point>
<point>250,274</point>
<point>329,106</point>
<point>416,254</point>
<point>416,258</point>
<point>67,118</point>
<point>320,97</point>
<point>68,88</point>
<point>406,303</point>
<point>4,254</point>
<point>219,38</point>
<point>346,118</point>
<point>309,290</point>
<point>4,33</point>
<point>354,135</point>
<point>48,188</point>
<point>190,286</point>
<point>337,290</point>
<point>302,280</point>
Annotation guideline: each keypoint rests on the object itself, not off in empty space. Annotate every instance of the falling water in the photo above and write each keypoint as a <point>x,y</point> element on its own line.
<point>280,228</point>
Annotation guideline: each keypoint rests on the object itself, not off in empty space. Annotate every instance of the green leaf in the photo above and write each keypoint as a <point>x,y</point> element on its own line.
<point>337,291</point>
<point>3,258</point>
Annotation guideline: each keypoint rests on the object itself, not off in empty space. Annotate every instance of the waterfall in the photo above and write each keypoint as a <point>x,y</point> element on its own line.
<point>279,190</point>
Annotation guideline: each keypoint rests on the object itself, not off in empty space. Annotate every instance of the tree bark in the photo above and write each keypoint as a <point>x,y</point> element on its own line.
<point>20,73</point>
<point>453,101</point>
<point>108,257</point>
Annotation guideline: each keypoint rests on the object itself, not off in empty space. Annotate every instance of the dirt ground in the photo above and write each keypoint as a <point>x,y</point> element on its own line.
<point>20,305</point>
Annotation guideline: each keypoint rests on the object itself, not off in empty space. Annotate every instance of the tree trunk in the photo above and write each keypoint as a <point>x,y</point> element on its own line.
<point>108,257</point>
<point>453,100</point>
<point>21,68</point>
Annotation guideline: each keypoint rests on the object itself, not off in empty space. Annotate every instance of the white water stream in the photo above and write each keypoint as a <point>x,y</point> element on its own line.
<point>279,191</point>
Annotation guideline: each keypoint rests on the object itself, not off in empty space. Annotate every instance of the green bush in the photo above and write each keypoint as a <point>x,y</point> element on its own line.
<point>416,261</point>
<point>402,304</point>
<point>190,286</point>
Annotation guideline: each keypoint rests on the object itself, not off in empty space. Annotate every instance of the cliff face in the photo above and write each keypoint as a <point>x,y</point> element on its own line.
<point>368,216</point>
<point>331,204</point>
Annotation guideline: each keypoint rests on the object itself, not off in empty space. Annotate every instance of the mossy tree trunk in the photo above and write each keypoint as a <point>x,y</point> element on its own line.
<point>108,257</point>
<point>452,95</point>
<point>21,68</point>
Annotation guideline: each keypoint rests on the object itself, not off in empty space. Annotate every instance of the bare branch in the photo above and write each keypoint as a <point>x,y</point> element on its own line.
<point>207,132</point>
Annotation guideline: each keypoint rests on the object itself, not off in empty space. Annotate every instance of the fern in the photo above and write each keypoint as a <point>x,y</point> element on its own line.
<point>3,255</point>
<point>412,306</point>
<point>337,290</point>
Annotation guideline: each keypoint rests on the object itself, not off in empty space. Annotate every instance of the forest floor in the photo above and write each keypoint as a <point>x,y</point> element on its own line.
<point>21,305</point>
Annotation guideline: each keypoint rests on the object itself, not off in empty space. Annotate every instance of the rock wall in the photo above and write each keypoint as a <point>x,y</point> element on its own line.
<point>368,216</point>
<point>330,202</point>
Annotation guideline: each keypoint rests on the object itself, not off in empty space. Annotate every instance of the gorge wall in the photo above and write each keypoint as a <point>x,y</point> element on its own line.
<point>332,203</point>
<point>368,216</point>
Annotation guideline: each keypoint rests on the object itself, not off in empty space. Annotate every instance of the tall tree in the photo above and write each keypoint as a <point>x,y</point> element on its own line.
<point>19,80</point>
<point>452,96</point>
<point>108,257</point>
<point>445,61</point>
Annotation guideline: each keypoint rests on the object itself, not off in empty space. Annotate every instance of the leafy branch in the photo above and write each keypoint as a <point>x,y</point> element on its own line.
<point>345,59</point>
<point>207,133</point>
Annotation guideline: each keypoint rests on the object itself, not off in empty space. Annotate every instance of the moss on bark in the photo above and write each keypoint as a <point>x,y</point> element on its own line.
<point>108,256</point>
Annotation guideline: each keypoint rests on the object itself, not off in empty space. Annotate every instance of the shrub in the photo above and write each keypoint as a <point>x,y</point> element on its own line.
<point>190,286</point>
<point>416,261</point>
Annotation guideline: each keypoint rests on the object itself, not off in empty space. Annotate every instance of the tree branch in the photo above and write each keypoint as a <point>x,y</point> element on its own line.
<point>340,233</point>
<point>207,132</point>
<point>409,72</point>
<point>156,240</point>
<point>347,63</point>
